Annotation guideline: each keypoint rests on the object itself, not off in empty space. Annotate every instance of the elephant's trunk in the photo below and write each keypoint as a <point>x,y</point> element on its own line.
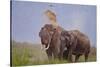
<point>48,45</point>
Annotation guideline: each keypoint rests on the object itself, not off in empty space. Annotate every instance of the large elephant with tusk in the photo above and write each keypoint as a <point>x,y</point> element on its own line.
<point>50,39</point>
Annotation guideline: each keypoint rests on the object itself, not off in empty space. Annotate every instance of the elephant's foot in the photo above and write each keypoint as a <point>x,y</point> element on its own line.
<point>77,57</point>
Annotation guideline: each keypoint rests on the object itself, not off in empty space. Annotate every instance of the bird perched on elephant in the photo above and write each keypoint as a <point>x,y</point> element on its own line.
<point>76,43</point>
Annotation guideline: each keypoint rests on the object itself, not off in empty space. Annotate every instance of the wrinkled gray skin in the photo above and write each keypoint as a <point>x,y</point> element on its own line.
<point>50,36</point>
<point>76,43</point>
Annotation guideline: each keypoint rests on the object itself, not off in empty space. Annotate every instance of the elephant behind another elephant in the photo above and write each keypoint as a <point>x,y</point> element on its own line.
<point>76,43</point>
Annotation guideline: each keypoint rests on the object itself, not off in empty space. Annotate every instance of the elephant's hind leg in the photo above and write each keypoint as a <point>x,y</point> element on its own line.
<point>49,54</point>
<point>86,57</point>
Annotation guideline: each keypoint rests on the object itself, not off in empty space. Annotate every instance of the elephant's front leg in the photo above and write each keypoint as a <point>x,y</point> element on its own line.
<point>70,56</point>
<point>49,53</point>
<point>61,55</point>
<point>65,54</point>
<point>55,53</point>
<point>61,52</point>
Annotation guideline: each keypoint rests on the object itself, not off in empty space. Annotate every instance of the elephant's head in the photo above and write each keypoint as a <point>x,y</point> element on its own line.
<point>65,38</point>
<point>45,34</point>
<point>68,38</point>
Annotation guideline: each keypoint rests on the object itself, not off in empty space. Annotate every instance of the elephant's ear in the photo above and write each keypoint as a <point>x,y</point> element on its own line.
<point>40,33</point>
<point>70,38</point>
<point>64,35</point>
<point>67,36</point>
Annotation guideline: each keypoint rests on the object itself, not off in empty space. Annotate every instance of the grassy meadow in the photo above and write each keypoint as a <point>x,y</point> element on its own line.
<point>31,54</point>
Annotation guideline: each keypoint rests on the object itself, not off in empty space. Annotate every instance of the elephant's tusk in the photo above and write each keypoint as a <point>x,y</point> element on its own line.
<point>47,47</point>
<point>43,47</point>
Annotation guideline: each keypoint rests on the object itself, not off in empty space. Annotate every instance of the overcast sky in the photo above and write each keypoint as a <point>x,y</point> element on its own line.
<point>27,19</point>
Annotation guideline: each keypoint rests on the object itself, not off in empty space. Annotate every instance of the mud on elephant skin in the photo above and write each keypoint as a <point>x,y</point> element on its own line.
<point>76,43</point>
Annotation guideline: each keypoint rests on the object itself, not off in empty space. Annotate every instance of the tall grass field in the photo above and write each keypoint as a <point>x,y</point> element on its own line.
<point>24,54</point>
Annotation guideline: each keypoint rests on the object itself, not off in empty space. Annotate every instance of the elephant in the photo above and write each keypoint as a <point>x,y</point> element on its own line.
<point>50,38</point>
<point>65,55</point>
<point>76,43</point>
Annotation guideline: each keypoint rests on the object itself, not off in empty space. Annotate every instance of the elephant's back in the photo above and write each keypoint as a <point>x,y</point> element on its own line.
<point>81,38</point>
<point>83,42</point>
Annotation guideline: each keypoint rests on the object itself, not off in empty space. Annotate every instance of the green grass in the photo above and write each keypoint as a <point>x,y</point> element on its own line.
<point>90,59</point>
<point>20,57</point>
<point>29,54</point>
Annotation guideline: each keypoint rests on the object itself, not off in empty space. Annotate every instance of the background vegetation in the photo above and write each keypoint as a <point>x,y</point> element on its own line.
<point>31,54</point>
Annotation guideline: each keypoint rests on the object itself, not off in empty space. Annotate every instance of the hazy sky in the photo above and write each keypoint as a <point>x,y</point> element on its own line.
<point>27,19</point>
